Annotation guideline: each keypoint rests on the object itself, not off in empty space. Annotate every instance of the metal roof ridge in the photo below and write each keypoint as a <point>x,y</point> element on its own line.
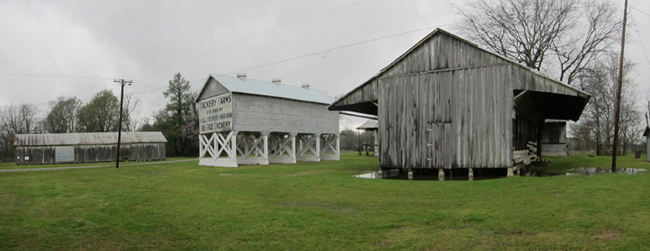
<point>280,89</point>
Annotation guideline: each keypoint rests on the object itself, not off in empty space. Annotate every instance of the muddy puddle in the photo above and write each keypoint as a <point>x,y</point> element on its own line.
<point>462,174</point>
<point>590,171</point>
<point>396,174</point>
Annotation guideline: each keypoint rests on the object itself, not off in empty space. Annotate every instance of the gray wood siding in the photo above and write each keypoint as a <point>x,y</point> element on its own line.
<point>364,93</point>
<point>212,89</point>
<point>468,114</point>
<point>259,113</point>
<point>482,117</point>
<point>39,155</point>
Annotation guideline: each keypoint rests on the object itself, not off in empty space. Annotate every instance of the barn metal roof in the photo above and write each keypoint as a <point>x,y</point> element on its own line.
<point>264,88</point>
<point>552,88</point>
<point>95,138</point>
<point>369,125</point>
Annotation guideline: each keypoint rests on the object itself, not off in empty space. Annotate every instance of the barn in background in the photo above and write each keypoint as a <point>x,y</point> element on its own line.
<point>448,104</point>
<point>38,149</point>
<point>369,126</point>
<point>554,142</point>
<point>247,121</point>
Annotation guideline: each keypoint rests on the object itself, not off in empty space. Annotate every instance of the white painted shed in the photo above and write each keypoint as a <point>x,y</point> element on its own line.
<point>247,121</point>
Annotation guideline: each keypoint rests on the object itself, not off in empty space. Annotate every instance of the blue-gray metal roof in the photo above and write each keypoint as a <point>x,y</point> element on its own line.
<point>94,138</point>
<point>263,88</point>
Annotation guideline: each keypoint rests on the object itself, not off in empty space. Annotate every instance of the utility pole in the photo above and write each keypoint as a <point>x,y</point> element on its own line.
<point>119,126</point>
<point>617,111</point>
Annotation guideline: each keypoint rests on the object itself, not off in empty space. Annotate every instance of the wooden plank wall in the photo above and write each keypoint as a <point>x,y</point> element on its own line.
<point>525,130</point>
<point>467,109</point>
<point>147,152</point>
<point>37,155</point>
<point>211,89</point>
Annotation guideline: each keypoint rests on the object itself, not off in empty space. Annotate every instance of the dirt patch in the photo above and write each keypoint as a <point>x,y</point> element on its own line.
<point>313,204</point>
<point>607,235</point>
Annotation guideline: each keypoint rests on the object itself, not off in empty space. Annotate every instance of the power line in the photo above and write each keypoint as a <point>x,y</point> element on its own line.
<point>48,76</point>
<point>254,36</point>
<point>642,46</point>
<point>632,7</point>
<point>324,53</point>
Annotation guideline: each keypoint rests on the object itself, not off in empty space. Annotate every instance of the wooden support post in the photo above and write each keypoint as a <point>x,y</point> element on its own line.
<point>331,146</point>
<point>309,147</point>
<point>214,146</point>
<point>255,149</point>
<point>317,153</point>
<point>283,148</point>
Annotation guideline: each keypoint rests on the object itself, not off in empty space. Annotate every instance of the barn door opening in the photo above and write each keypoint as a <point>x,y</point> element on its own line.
<point>439,93</point>
<point>440,149</point>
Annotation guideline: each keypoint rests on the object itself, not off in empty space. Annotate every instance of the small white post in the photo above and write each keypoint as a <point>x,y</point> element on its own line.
<point>317,153</point>
<point>265,154</point>
<point>293,136</point>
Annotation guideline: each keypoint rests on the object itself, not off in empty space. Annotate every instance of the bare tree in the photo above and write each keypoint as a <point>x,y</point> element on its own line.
<point>19,119</point>
<point>598,28</point>
<point>598,117</point>
<point>573,32</point>
<point>15,120</point>
<point>130,104</point>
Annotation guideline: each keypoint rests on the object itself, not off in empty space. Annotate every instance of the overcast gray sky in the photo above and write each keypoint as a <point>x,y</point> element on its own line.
<point>93,42</point>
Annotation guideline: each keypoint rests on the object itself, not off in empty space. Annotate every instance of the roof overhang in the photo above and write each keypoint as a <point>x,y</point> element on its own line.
<point>364,107</point>
<point>546,105</point>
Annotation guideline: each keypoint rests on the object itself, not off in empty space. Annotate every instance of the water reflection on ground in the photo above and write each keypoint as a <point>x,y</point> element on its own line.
<point>596,170</point>
<point>397,174</point>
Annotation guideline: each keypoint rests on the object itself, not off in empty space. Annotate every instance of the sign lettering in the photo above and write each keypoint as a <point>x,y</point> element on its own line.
<point>215,114</point>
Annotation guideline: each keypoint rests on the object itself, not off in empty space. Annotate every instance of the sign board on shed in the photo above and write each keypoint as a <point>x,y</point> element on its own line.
<point>215,114</point>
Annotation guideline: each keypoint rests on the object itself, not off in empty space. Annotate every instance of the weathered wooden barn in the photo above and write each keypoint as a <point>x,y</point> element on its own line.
<point>446,104</point>
<point>247,121</point>
<point>38,149</point>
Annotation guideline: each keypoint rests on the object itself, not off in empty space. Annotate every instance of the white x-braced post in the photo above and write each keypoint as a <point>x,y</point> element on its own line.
<point>309,143</point>
<point>330,149</point>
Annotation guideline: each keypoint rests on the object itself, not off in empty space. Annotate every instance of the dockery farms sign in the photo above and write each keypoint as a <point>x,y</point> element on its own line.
<point>215,114</point>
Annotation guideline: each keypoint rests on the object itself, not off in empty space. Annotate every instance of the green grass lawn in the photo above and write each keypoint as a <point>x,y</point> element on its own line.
<point>12,165</point>
<point>320,206</point>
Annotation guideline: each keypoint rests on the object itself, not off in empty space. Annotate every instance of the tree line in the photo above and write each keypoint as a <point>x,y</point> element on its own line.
<point>178,121</point>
